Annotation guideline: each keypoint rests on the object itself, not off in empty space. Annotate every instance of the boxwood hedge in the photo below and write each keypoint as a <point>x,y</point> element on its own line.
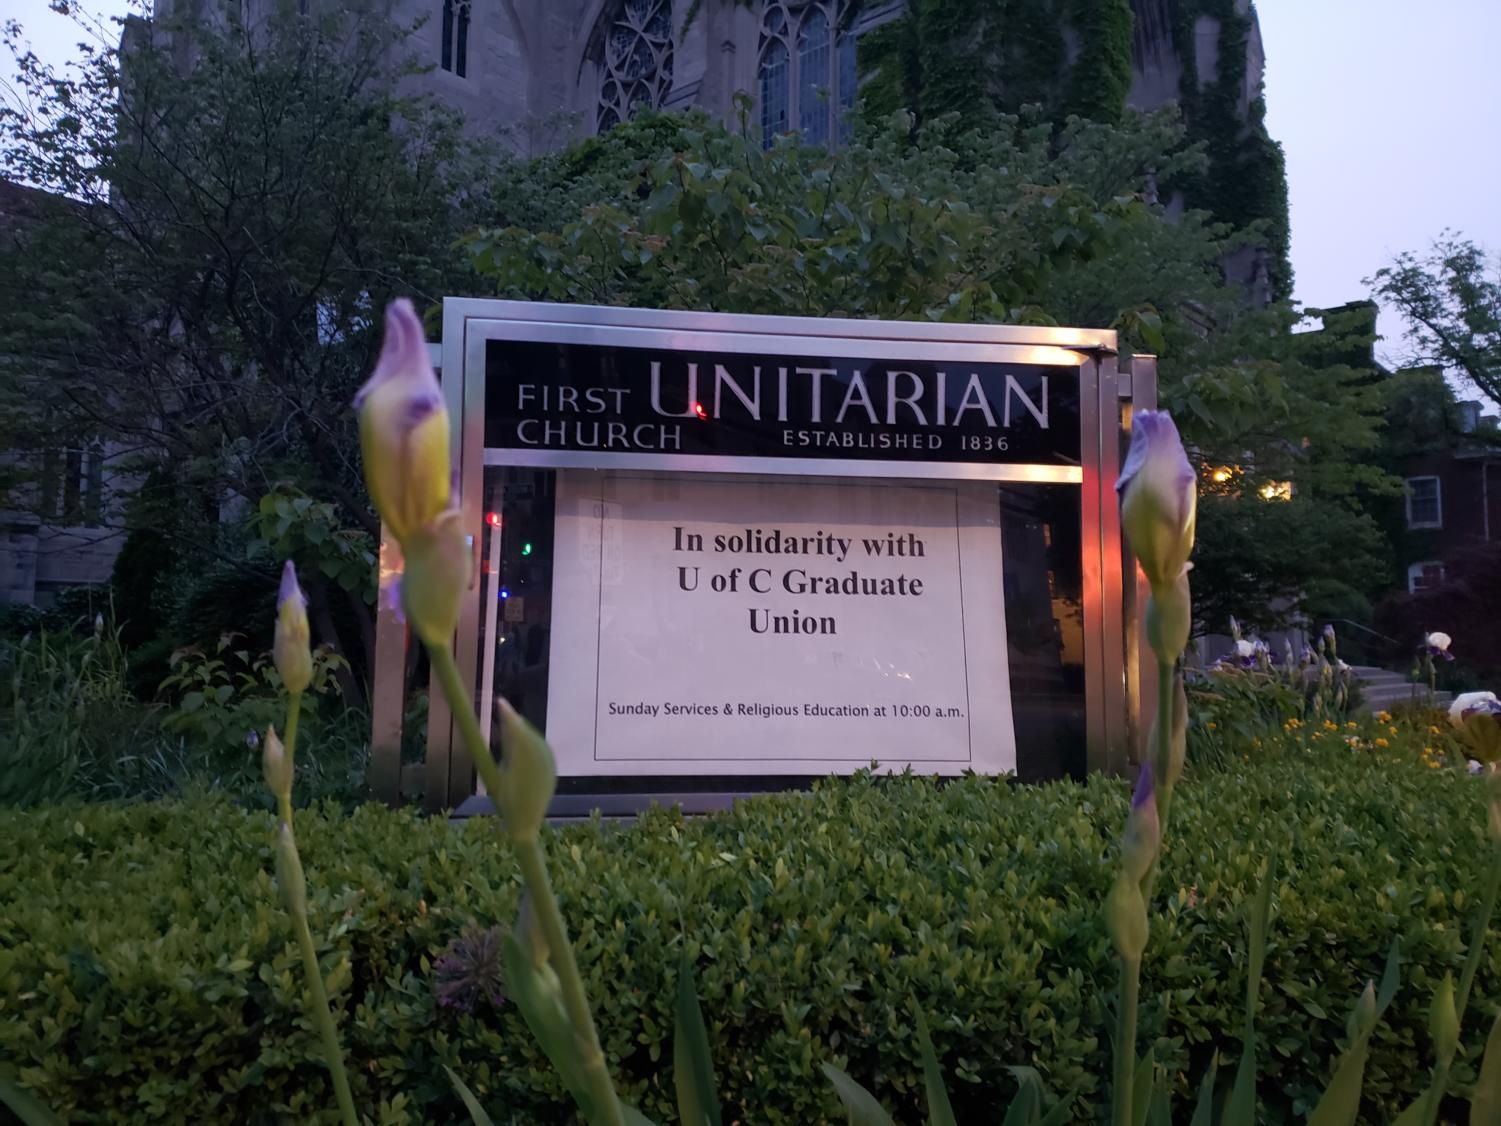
<point>147,972</point>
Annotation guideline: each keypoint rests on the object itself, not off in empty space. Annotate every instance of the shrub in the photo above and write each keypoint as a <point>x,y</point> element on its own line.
<point>70,729</point>
<point>146,968</point>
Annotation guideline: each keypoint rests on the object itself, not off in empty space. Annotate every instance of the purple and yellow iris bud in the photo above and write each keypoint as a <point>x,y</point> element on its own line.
<point>529,776</point>
<point>1159,498</point>
<point>276,765</point>
<point>1443,1021</point>
<point>1143,836</point>
<point>438,569</point>
<point>289,872</point>
<point>404,429</point>
<point>1126,919</point>
<point>290,650</point>
<point>1169,617</point>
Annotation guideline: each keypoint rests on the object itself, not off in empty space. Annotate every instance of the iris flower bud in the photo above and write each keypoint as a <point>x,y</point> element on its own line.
<point>289,650</point>
<point>438,568</point>
<point>1126,919</point>
<point>289,872</point>
<point>1169,617</point>
<point>530,776</point>
<point>276,766</point>
<point>1143,834</point>
<point>404,429</point>
<point>1159,497</point>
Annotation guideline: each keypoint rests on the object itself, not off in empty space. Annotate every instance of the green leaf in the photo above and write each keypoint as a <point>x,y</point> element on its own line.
<point>1414,1112</point>
<point>1391,978</point>
<point>1027,1104</point>
<point>940,1111</point>
<point>1341,1099</point>
<point>1485,1102</point>
<point>860,1104</point>
<point>634,1117</point>
<point>693,1067</point>
<point>26,1106</point>
<point>471,1104</point>
<point>1204,1109</point>
<point>542,1008</point>
<point>1141,1086</point>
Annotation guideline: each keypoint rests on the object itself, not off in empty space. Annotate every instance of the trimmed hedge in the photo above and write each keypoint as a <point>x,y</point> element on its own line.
<point>147,972</point>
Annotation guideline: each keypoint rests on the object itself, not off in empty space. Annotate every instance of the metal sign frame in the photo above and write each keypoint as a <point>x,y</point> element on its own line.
<point>1116,692</point>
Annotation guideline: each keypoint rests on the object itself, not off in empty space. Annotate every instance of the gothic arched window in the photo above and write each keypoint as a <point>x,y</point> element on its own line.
<point>806,70</point>
<point>454,54</point>
<point>636,64</point>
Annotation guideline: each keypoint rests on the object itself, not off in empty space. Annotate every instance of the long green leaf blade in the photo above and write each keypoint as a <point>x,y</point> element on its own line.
<point>1204,1110</point>
<point>940,1111</point>
<point>860,1104</point>
<point>1485,1103</point>
<point>693,1067</point>
<point>471,1104</point>
<point>1027,1104</point>
<point>1142,1085</point>
<point>1391,978</point>
<point>26,1106</point>
<point>1340,1101</point>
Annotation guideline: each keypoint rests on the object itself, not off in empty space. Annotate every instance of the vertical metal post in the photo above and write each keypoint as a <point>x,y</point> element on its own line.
<point>491,593</point>
<point>387,680</point>
<point>1096,736</point>
<point>1112,609</point>
<point>471,468</point>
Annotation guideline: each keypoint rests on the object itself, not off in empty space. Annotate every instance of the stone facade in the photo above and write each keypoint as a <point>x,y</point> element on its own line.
<point>542,73</point>
<point>63,537</point>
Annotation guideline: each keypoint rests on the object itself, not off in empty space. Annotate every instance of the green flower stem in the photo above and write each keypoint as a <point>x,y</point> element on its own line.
<point>1125,1042</point>
<point>1162,740</point>
<point>289,747</point>
<point>333,1055</point>
<point>533,863</point>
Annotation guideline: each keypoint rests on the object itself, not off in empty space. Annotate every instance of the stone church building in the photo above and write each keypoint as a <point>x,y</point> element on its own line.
<point>546,72</point>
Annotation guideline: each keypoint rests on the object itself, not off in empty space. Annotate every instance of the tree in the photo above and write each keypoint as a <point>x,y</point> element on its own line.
<point>1015,222</point>
<point>1450,298</point>
<point>230,208</point>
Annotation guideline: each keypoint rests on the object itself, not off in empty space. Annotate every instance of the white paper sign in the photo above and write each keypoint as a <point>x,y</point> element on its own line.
<point>744,625</point>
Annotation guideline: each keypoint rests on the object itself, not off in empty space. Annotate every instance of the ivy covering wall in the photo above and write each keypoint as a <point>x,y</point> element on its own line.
<point>983,58</point>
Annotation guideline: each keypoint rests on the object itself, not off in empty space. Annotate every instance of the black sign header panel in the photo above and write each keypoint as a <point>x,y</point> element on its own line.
<point>588,398</point>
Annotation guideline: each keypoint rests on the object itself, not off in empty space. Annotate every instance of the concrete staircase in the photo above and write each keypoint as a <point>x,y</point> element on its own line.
<point>1381,688</point>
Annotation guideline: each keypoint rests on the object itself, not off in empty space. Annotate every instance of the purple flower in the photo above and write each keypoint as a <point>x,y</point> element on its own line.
<point>289,649</point>
<point>469,970</point>
<point>1159,497</point>
<point>1143,829</point>
<point>404,429</point>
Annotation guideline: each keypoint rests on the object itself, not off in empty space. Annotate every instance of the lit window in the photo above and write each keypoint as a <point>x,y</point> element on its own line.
<point>635,60</point>
<point>1425,506</point>
<point>454,54</point>
<point>807,71</point>
<point>1276,490</point>
<point>1425,576</point>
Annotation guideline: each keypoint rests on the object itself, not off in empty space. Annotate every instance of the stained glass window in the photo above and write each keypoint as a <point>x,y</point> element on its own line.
<point>636,62</point>
<point>807,71</point>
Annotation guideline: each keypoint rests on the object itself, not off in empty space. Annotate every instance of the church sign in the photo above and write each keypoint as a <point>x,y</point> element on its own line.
<point>720,553</point>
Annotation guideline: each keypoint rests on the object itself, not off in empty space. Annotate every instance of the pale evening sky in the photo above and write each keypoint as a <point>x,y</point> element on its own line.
<point>1390,115</point>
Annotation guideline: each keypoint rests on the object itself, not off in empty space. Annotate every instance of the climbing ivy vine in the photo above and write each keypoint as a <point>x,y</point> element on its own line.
<point>1246,180</point>
<point>979,59</point>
